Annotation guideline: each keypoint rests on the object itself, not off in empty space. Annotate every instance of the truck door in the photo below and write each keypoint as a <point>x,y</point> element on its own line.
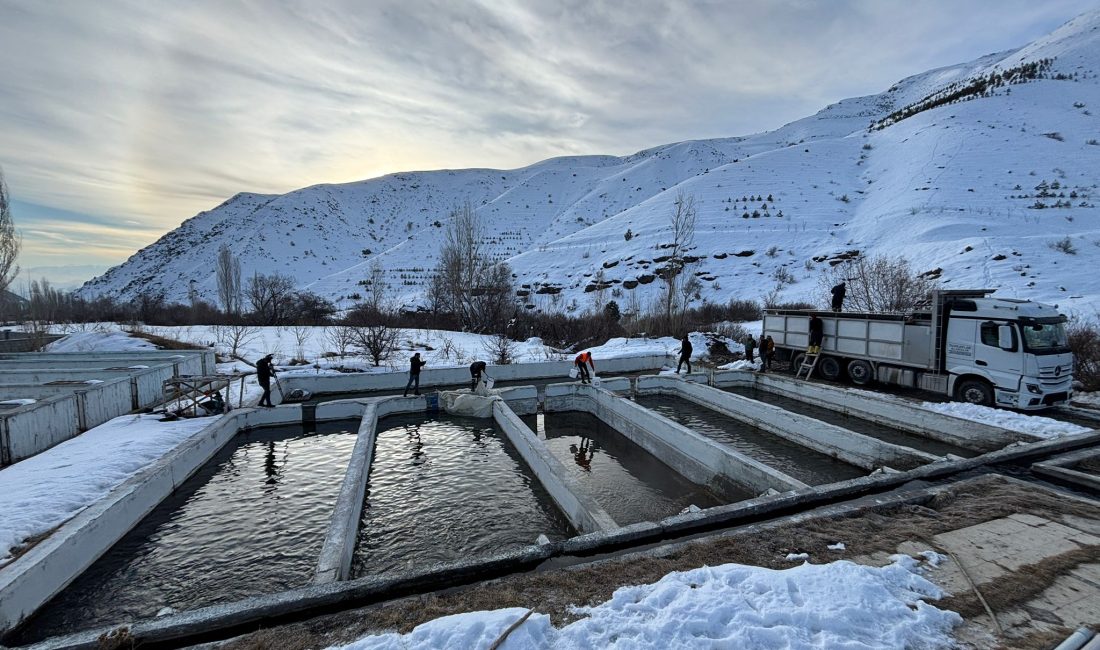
<point>1003,364</point>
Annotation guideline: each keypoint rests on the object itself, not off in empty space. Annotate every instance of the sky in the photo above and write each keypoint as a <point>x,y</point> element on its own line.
<point>120,119</point>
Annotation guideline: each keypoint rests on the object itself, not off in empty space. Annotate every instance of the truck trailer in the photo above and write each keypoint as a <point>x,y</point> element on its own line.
<point>963,344</point>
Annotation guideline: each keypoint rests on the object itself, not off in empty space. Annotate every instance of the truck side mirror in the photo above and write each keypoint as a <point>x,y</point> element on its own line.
<point>1004,338</point>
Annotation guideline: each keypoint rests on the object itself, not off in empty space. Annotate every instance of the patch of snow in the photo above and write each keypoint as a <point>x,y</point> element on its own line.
<point>93,381</point>
<point>98,341</point>
<point>835,605</point>
<point>933,558</point>
<point>42,492</point>
<point>1036,425</point>
<point>839,546</point>
<point>797,557</point>
<point>23,401</point>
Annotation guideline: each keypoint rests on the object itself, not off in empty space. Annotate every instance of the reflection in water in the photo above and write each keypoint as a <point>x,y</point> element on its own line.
<point>250,521</point>
<point>629,483</point>
<point>445,488</point>
<point>583,454</point>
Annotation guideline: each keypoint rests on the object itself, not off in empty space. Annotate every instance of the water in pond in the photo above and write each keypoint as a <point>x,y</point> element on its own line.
<point>859,425</point>
<point>626,480</point>
<point>250,521</point>
<point>806,465</point>
<point>448,488</point>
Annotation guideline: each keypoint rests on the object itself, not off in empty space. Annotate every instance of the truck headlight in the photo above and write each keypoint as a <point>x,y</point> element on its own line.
<point>1034,388</point>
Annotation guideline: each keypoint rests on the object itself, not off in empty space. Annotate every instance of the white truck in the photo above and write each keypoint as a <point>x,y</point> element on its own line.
<point>968,345</point>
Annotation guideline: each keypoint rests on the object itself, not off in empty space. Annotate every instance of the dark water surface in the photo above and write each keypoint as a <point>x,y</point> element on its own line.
<point>445,488</point>
<point>626,480</point>
<point>250,521</point>
<point>809,466</point>
<point>883,432</point>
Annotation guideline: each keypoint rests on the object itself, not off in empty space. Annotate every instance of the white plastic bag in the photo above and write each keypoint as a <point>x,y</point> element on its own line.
<point>573,372</point>
<point>489,382</point>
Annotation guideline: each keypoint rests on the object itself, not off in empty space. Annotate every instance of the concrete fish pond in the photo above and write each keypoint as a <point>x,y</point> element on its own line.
<point>267,512</point>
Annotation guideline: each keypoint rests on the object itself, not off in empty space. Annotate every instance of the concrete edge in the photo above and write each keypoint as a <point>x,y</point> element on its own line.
<point>583,512</point>
<point>878,453</point>
<point>983,437</point>
<point>1069,475</point>
<point>711,459</point>
<point>32,579</point>
<point>334,560</point>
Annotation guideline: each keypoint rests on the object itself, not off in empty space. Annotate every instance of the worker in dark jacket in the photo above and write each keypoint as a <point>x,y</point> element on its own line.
<point>750,345</point>
<point>685,354</point>
<point>838,295</point>
<point>476,370</point>
<point>817,334</point>
<point>765,360</point>
<point>265,370</point>
<point>415,364</point>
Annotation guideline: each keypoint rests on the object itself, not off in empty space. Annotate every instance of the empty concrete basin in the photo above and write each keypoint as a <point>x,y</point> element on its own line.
<point>867,427</point>
<point>806,465</point>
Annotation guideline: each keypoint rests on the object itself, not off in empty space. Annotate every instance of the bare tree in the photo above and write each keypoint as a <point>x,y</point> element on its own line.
<point>500,348</point>
<point>301,333</point>
<point>44,307</point>
<point>465,282</point>
<point>378,288</point>
<point>340,337</point>
<point>376,340</point>
<point>229,280</point>
<point>231,337</point>
<point>879,284</point>
<point>10,243</point>
<point>682,225</point>
<point>272,297</point>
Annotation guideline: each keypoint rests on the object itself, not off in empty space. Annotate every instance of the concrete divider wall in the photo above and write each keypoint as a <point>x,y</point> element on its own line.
<point>584,514</point>
<point>190,362</point>
<point>895,412</point>
<point>29,429</point>
<point>39,574</point>
<point>334,561</point>
<point>694,456</point>
<point>433,377</point>
<point>147,383</point>
<point>851,447</point>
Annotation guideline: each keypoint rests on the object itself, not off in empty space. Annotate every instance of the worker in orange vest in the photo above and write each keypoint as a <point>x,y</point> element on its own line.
<point>582,369</point>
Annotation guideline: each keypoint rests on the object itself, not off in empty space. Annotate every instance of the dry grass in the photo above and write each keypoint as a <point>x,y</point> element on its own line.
<point>164,343</point>
<point>553,592</point>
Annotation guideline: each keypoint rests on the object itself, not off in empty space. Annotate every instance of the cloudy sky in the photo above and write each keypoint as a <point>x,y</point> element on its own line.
<point>119,119</point>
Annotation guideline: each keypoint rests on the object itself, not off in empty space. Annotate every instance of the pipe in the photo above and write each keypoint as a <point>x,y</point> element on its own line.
<point>1077,640</point>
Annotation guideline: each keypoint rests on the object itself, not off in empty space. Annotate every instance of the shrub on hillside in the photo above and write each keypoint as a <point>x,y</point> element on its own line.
<point>1084,341</point>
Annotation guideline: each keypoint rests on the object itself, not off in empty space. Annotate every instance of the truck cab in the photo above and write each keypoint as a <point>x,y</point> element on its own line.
<point>1007,352</point>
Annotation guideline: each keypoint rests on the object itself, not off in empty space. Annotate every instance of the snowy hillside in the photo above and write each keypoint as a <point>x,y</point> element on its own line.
<point>975,172</point>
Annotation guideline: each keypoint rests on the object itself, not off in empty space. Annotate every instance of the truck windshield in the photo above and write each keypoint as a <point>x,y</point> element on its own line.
<point>1045,338</point>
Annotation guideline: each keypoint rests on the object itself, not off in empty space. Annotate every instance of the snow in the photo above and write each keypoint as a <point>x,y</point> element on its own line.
<point>24,401</point>
<point>797,557</point>
<point>839,546</point>
<point>42,492</point>
<point>100,341</point>
<point>1036,425</point>
<point>835,605</point>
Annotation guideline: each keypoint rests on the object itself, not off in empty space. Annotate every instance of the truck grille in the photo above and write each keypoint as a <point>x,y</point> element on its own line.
<point>1054,375</point>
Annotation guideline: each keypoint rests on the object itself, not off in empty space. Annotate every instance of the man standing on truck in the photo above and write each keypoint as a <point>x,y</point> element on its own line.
<point>817,334</point>
<point>838,295</point>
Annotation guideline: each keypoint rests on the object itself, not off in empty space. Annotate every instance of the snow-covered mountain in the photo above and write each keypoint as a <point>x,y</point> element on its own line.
<point>980,170</point>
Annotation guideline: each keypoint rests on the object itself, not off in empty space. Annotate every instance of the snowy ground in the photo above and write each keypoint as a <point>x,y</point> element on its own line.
<point>1036,425</point>
<point>42,492</point>
<point>834,605</point>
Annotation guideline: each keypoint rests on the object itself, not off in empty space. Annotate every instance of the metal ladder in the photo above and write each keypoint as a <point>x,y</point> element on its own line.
<point>809,362</point>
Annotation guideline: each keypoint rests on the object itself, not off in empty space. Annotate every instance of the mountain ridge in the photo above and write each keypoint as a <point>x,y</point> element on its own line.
<point>952,187</point>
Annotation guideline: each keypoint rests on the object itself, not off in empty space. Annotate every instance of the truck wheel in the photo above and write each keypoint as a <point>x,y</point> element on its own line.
<point>860,372</point>
<point>975,391</point>
<point>829,367</point>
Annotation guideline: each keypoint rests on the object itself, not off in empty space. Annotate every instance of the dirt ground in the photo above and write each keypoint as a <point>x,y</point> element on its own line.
<point>867,532</point>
